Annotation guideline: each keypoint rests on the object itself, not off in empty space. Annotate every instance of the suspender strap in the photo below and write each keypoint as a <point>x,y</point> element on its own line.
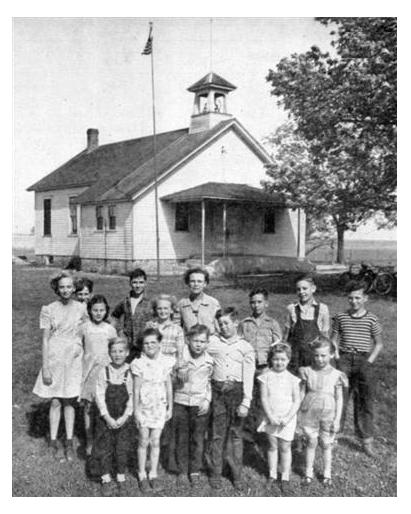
<point>107,374</point>
<point>316,311</point>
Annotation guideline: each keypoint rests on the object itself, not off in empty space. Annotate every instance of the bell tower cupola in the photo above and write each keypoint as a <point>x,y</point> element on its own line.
<point>210,102</point>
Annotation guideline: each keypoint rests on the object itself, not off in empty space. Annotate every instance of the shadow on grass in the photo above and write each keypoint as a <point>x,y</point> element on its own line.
<point>38,422</point>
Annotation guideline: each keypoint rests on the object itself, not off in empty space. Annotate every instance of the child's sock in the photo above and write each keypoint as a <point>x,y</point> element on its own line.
<point>106,479</point>
<point>152,474</point>
<point>327,458</point>
<point>141,476</point>
<point>121,477</point>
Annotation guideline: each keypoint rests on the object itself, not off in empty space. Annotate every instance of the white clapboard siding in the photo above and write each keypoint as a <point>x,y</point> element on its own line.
<point>228,160</point>
<point>61,241</point>
<point>107,244</point>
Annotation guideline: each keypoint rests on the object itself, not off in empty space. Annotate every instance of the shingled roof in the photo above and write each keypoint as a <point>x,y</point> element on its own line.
<point>118,171</point>
<point>211,79</point>
<point>225,191</point>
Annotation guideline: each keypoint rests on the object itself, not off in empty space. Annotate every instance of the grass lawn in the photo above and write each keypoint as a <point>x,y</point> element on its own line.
<point>36,474</point>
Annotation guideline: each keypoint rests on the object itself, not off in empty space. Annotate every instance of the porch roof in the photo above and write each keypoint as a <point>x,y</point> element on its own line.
<point>225,192</point>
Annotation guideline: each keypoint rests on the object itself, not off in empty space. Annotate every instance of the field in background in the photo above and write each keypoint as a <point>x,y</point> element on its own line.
<point>383,253</point>
<point>36,474</point>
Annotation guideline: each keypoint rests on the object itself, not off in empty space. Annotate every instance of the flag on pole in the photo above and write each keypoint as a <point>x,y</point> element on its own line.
<point>149,44</point>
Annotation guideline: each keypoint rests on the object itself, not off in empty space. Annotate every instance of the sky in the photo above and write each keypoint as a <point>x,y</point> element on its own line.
<point>71,74</point>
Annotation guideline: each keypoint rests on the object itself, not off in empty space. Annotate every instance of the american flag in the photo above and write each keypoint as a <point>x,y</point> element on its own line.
<point>149,44</point>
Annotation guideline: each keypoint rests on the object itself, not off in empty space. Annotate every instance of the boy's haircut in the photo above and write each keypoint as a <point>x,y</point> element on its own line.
<point>227,311</point>
<point>322,342</point>
<point>356,285</point>
<point>190,271</point>
<point>136,273</point>
<point>151,332</point>
<point>307,277</point>
<point>278,348</point>
<point>258,290</point>
<point>82,282</point>
<point>197,330</point>
<point>54,282</point>
<point>117,340</point>
<point>98,298</point>
<point>167,298</point>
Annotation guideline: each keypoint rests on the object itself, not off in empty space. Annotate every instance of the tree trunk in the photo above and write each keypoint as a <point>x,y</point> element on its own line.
<point>340,244</point>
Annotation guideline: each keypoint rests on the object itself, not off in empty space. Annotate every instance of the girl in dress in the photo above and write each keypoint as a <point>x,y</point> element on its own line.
<point>321,407</point>
<point>172,342</point>
<point>60,376</point>
<point>280,399</point>
<point>96,334</point>
<point>153,401</point>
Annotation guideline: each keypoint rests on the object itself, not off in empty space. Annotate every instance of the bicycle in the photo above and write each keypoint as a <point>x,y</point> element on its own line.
<point>380,281</point>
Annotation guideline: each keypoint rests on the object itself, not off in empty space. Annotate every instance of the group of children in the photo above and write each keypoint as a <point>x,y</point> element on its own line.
<point>194,368</point>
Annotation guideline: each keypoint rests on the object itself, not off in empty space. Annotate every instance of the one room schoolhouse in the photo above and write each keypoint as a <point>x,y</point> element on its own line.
<point>99,207</point>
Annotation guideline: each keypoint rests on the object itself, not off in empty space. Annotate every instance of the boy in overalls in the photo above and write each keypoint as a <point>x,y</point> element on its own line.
<point>113,427</point>
<point>306,320</point>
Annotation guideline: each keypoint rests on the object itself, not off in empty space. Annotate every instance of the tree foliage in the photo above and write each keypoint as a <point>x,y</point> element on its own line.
<point>338,156</point>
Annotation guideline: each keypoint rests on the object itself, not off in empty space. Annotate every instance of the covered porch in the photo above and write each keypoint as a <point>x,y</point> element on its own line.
<point>236,220</point>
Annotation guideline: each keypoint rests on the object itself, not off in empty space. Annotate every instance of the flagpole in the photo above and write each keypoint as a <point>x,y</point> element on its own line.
<point>155,156</point>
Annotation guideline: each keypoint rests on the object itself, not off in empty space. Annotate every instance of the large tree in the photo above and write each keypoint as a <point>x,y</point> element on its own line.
<point>342,149</point>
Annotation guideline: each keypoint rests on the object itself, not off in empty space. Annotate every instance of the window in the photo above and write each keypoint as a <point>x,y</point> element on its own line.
<point>73,216</point>
<point>99,217</point>
<point>112,217</point>
<point>269,220</point>
<point>181,224</point>
<point>47,217</point>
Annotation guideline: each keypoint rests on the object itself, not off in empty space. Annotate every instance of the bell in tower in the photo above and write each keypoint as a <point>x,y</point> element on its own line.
<point>210,102</point>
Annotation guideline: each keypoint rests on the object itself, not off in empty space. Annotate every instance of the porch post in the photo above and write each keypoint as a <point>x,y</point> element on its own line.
<point>225,229</point>
<point>202,232</point>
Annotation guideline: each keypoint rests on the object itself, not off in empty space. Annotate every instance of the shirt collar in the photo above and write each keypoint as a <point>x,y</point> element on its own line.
<point>304,306</point>
<point>265,317</point>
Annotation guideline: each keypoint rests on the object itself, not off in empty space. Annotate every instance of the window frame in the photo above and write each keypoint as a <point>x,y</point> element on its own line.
<point>269,225</point>
<point>179,224</point>
<point>73,213</point>
<point>99,218</point>
<point>111,211</point>
<point>47,218</point>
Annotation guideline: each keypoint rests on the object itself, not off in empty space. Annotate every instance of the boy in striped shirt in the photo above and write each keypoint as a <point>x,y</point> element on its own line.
<point>357,336</point>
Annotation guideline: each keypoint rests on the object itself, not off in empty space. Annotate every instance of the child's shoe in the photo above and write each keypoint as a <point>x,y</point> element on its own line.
<point>327,482</point>
<point>272,486</point>
<point>182,481</point>
<point>144,485</point>
<point>368,449</point>
<point>121,487</point>
<point>106,489</point>
<point>69,450</point>
<point>286,488</point>
<point>195,479</point>
<point>215,483</point>
<point>306,481</point>
<point>239,485</point>
<point>155,484</point>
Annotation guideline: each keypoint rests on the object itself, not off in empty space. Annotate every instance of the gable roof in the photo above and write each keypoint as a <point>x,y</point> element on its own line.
<point>119,171</point>
<point>106,163</point>
<point>225,191</point>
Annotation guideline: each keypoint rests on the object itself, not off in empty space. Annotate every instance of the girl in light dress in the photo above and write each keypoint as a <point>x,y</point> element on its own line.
<point>60,376</point>
<point>153,401</point>
<point>321,407</point>
<point>280,399</point>
<point>172,342</point>
<point>96,334</point>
